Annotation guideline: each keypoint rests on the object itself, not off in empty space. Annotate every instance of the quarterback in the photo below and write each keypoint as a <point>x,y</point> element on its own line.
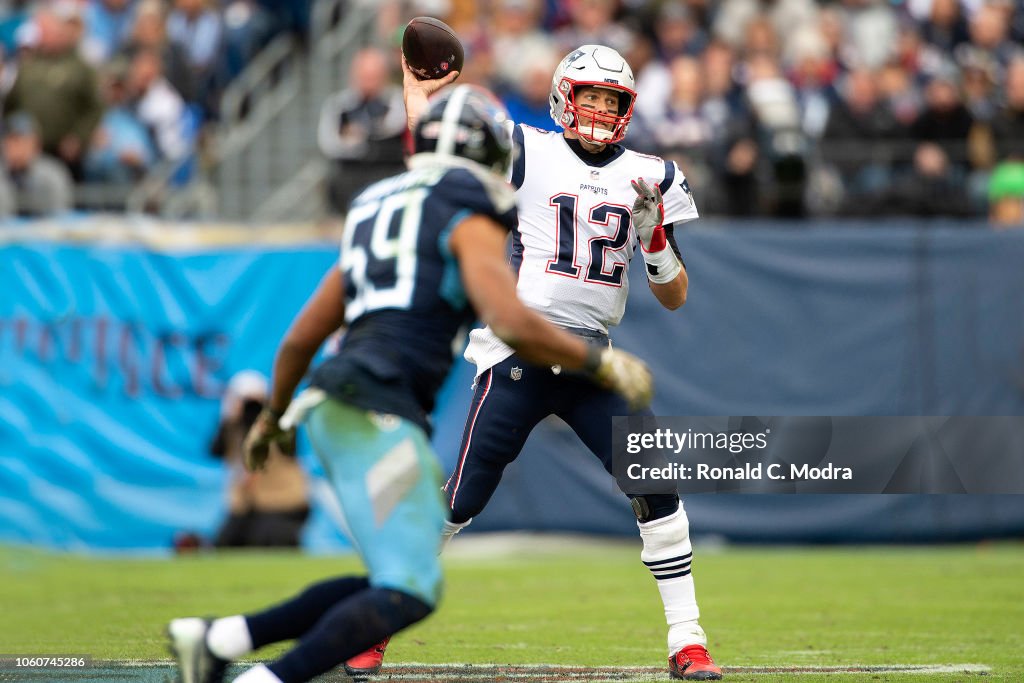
<point>586,205</point>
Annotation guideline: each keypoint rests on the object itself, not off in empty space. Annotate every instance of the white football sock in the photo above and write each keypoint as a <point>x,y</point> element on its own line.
<point>667,553</point>
<point>449,530</point>
<point>229,638</point>
<point>258,674</point>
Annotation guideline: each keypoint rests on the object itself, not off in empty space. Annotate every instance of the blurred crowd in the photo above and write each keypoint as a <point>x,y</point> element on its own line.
<point>785,108</point>
<point>104,91</point>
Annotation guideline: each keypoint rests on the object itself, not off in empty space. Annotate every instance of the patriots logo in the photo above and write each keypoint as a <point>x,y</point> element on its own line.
<point>685,187</point>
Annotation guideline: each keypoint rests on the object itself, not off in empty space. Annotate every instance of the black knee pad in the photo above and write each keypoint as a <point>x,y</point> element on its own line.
<point>399,609</point>
<point>650,508</point>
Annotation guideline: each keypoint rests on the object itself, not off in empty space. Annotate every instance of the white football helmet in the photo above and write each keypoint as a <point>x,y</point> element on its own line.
<point>598,66</point>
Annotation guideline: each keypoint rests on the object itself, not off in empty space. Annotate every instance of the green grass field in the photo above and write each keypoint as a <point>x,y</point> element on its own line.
<point>588,605</point>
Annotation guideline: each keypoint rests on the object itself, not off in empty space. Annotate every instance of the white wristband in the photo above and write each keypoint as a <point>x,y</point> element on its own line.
<point>665,264</point>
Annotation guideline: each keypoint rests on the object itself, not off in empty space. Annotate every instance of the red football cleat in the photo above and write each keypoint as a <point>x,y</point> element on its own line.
<point>693,663</point>
<point>367,663</point>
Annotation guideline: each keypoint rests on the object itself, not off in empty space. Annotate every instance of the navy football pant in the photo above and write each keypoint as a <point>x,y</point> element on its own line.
<point>510,399</point>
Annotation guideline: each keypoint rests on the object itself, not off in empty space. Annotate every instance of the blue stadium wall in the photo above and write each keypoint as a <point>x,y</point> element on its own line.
<point>115,353</point>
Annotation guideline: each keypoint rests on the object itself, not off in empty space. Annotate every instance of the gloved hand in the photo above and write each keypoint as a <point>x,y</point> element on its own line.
<point>648,220</point>
<point>623,373</point>
<point>649,215</point>
<point>264,432</point>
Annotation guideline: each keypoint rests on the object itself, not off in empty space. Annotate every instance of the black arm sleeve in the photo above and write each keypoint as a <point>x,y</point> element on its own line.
<point>670,235</point>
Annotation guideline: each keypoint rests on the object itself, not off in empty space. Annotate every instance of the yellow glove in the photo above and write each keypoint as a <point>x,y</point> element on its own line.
<point>623,373</point>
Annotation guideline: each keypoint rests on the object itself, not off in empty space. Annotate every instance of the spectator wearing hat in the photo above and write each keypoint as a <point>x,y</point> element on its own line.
<point>1006,195</point>
<point>32,183</point>
<point>265,508</point>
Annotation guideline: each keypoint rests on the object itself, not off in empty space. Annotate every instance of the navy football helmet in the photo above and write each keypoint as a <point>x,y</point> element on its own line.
<point>469,123</point>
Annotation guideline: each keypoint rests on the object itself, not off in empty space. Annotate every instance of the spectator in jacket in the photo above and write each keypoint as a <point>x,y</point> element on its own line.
<point>32,184</point>
<point>58,88</point>
<point>361,128</point>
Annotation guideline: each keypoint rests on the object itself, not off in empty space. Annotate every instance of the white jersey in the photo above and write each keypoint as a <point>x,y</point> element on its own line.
<point>575,237</point>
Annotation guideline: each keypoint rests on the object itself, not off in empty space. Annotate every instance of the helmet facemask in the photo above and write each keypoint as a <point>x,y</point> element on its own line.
<point>591,131</point>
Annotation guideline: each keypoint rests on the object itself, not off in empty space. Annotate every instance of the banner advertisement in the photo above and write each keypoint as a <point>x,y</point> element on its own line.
<point>115,355</point>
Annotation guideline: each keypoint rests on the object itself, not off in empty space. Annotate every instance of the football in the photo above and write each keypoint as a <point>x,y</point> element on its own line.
<point>431,48</point>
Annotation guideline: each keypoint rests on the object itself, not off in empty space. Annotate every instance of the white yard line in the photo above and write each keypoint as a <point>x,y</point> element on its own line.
<point>469,672</point>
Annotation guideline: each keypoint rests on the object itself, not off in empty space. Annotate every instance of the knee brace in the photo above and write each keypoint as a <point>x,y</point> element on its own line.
<point>651,508</point>
<point>667,547</point>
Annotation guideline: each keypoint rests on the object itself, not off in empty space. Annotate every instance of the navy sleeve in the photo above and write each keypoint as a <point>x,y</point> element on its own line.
<point>518,157</point>
<point>670,175</point>
<point>464,191</point>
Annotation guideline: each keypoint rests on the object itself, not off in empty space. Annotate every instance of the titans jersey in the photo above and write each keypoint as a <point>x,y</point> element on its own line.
<point>575,238</point>
<point>404,301</point>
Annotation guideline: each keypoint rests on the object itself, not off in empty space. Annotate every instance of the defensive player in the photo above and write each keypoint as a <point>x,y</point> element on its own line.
<point>421,251</point>
<point>584,204</point>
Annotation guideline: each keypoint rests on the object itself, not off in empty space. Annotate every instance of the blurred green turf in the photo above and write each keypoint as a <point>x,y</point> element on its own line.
<point>590,605</point>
